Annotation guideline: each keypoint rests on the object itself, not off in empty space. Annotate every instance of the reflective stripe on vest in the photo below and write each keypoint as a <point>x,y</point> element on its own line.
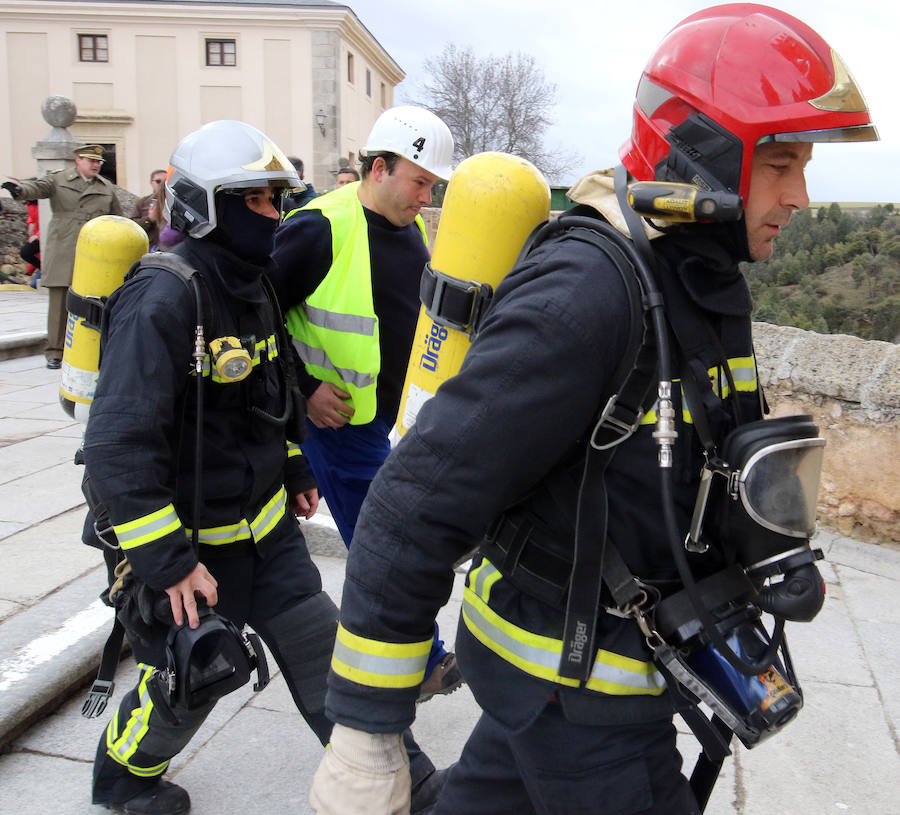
<point>377,664</point>
<point>264,522</point>
<point>335,330</point>
<point>318,358</point>
<point>743,371</point>
<point>121,746</point>
<point>539,655</point>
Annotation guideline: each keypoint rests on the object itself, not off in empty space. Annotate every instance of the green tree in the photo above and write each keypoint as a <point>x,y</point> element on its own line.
<point>835,255</point>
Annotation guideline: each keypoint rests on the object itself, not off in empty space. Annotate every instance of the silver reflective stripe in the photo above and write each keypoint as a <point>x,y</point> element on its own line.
<point>412,666</point>
<point>215,536</point>
<point>316,356</point>
<point>539,655</point>
<point>547,658</point>
<point>149,528</point>
<point>335,321</point>
<point>270,515</point>
<point>483,578</point>
<point>122,746</point>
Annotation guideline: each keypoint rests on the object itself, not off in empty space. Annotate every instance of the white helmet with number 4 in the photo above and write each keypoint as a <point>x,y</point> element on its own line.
<point>415,134</point>
<point>221,155</point>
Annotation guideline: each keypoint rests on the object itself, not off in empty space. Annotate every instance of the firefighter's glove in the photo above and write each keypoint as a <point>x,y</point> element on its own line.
<point>139,608</point>
<point>362,774</point>
<point>12,188</point>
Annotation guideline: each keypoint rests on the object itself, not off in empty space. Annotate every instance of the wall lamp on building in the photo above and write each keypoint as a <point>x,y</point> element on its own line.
<point>320,120</point>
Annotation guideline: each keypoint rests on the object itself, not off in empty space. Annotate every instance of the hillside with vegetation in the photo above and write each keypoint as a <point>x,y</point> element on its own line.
<point>836,270</point>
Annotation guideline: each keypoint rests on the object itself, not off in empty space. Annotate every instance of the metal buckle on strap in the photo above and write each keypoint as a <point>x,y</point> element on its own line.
<point>480,295</point>
<point>607,421</point>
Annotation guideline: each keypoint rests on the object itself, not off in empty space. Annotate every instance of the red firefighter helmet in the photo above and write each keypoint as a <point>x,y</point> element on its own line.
<point>728,78</point>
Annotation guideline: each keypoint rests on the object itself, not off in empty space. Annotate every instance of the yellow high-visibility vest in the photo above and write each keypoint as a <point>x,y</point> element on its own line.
<point>335,330</point>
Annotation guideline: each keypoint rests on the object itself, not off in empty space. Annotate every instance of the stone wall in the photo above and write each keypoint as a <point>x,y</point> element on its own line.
<point>852,389</point>
<point>13,233</point>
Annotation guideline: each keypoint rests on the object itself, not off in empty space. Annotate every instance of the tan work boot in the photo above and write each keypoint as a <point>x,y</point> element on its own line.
<point>445,678</point>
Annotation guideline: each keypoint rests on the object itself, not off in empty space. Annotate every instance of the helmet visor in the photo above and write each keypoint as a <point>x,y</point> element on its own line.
<point>779,483</point>
<point>834,134</point>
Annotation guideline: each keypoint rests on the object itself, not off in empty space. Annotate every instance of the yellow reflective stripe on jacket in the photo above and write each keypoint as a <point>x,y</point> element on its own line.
<point>378,664</point>
<point>264,522</point>
<point>539,655</point>
<point>220,535</point>
<point>743,371</point>
<point>148,528</point>
<point>122,746</point>
<point>269,515</point>
<point>482,579</point>
<point>293,449</point>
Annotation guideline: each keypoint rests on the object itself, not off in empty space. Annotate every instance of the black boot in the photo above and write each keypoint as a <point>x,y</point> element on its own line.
<point>163,798</point>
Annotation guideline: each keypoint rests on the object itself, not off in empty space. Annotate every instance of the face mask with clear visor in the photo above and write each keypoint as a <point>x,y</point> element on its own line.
<point>758,498</point>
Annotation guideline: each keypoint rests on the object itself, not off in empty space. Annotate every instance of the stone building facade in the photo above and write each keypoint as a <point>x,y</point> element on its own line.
<point>143,74</point>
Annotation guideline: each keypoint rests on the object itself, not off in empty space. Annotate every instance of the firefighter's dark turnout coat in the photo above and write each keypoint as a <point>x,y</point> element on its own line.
<point>140,440</point>
<point>515,416</point>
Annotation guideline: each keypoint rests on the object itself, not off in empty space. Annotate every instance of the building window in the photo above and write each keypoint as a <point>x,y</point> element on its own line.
<point>350,68</point>
<point>93,48</point>
<point>221,52</point>
<point>368,83</point>
<point>383,95</point>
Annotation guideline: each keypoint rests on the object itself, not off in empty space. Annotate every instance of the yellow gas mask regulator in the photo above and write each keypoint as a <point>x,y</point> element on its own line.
<point>230,359</point>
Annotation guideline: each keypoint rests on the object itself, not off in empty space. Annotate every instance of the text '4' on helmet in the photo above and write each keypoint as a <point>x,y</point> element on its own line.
<point>221,155</point>
<point>415,134</point>
<point>729,78</point>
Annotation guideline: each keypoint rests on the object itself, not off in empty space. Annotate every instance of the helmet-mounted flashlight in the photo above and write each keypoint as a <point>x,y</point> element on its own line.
<point>683,203</point>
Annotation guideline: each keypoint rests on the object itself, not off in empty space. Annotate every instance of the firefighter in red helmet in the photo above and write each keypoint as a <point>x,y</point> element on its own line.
<point>578,505</point>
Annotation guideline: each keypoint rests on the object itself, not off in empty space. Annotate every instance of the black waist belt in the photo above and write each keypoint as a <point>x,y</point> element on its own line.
<point>525,553</point>
<point>529,555</point>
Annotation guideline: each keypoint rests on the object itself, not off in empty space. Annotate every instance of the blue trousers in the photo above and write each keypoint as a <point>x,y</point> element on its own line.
<point>344,461</point>
<point>556,767</point>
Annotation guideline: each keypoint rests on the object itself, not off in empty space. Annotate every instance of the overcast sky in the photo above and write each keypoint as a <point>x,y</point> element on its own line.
<point>595,50</point>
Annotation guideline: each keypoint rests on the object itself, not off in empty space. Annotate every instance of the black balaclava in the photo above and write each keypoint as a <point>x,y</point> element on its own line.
<point>248,234</point>
<point>705,257</point>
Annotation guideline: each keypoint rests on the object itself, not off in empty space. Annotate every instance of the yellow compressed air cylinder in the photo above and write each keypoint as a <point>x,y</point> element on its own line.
<point>492,203</point>
<point>107,248</point>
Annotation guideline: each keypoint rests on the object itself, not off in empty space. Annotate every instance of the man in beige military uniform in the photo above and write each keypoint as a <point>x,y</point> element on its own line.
<point>76,196</point>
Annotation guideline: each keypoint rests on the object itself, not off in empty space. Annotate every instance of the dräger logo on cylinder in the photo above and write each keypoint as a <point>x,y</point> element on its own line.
<point>433,342</point>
